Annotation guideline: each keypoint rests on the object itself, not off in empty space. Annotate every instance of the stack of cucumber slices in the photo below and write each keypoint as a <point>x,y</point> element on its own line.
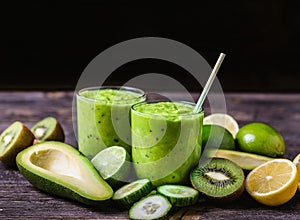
<point>147,203</point>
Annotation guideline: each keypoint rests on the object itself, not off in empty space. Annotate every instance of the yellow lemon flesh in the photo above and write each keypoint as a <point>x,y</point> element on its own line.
<point>296,161</point>
<point>273,183</point>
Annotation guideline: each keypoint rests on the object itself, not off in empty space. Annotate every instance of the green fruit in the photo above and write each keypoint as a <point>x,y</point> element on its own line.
<point>259,138</point>
<point>219,179</point>
<point>215,136</point>
<point>113,163</point>
<point>48,129</point>
<point>246,161</point>
<point>178,195</point>
<point>60,169</point>
<point>151,207</point>
<point>14,139</point>
<point>132,192</point>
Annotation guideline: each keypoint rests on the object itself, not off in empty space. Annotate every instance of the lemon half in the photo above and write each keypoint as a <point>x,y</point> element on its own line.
<point>273,183</point>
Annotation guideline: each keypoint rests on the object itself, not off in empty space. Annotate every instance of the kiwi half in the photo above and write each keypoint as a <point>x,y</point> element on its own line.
<point>48,129</point>
<point>218,179</point>
<point>14,139</point>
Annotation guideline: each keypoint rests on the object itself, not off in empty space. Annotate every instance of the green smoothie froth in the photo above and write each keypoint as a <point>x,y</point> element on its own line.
<point>166,109</point>
<point>110,96</point>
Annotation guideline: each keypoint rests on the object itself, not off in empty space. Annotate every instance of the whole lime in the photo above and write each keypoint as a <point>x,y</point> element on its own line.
<point>260,138</point>
<point>215,136</point>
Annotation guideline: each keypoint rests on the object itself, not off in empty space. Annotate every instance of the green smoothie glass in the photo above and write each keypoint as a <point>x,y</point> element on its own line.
<point>166,140</point>
<point>103,117</point>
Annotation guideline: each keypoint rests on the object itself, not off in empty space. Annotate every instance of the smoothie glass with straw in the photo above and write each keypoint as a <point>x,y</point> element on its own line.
<point>167,137</point>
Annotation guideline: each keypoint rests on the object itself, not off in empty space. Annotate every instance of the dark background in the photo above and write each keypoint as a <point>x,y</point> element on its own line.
<point>47,44</point>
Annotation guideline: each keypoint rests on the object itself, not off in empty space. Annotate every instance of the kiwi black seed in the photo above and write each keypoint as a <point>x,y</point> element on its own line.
<point>14,139</point>
<point>218,179</point>
<point>48,129</point>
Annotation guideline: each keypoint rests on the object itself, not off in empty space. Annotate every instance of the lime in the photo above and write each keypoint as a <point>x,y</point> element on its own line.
<point>224,120</point>
<point>274,182</point>
<point>260,138</point>
<point>296,161</point>
<point>113,164</point>
<point>215,136</point>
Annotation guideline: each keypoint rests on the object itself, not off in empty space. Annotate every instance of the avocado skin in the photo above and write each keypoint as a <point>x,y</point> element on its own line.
<point>55,188</point>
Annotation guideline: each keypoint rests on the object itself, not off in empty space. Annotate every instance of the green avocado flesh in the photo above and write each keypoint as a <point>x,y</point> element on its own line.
<point>60,169</point>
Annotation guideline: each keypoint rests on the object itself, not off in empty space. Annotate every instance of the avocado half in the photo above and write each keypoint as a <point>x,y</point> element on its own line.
<point>60,169</point>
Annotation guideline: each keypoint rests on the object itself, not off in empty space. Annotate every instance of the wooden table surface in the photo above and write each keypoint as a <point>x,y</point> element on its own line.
<point>19,199</point>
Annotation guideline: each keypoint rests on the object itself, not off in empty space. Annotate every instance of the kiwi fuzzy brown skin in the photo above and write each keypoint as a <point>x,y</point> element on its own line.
<point>56,135</point>
<point>24,140</point>
<point>224,199</point>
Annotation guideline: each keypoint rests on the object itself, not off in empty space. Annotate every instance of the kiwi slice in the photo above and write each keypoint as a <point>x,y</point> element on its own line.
<point>219,179</point>
<point>48,129</point>
<point>178,195</point>
<point>132,192</point>
<point>151,207</point>
<point>14,139</point>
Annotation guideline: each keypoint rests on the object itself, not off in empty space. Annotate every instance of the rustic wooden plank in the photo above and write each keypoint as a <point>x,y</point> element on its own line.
<point>19,199</point>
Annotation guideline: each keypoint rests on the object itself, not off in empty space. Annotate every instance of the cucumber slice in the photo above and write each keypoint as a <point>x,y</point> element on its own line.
<point>132,192</point>
<point>151,207</point>
<point>178,195</point>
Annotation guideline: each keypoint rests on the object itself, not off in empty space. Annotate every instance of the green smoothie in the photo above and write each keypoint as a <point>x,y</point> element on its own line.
<point>166,141</point>
<point>103,118</point>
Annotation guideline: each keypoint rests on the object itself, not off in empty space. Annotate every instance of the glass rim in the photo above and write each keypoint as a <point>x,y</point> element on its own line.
<point>122,88</point>
<point>155,101</point>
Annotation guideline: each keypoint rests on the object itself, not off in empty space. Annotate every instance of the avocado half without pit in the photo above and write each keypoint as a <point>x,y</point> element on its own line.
<point>60,169</point>
<point>48,129</point>
<point>14,139</point>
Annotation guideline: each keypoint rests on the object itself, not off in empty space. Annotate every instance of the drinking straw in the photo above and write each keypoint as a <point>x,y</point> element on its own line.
<point>210,80</point>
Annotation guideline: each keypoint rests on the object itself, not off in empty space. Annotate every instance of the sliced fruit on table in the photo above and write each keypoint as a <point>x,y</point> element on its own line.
<point>218,179</point>
<point>296,161</point>
<point>48,129</point>
<point>178,195</point>
<point>217,137</point>
<point>260,138</point>
<point>246,161</point>
<point>14,139</point>
<point>60,169</point>
<point>113,163</point>
<point>273,183</point>
<point>151,207</point>
<point>132,192</point>
<point>224,120</point>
